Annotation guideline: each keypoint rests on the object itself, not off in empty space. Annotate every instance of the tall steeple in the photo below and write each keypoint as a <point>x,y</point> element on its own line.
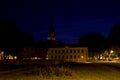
<point>51,33</point>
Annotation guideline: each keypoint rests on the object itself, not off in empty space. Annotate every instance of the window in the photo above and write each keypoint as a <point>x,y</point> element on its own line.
<point>71,57</point>
<point>74,51</point>
<point>70,51</point>
<point>62,51</point>
<point>78,51</point>
<point>55,51</point>
<point>66,51</point>
<point>51,57</point>
<point>51,51</point>
<point>82,51</point>
<point>59,57</point>
<point>78,56</point>
<point>55,57</point>
<point>66,57</point>
<point>59,51</point>
<point>74,56</point>
<point>63,57</point>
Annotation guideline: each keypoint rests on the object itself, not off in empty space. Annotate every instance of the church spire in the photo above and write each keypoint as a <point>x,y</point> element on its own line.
<point>51,33</point>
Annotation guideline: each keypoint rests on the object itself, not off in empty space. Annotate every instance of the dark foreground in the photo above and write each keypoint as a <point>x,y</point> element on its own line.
<point>66,71</point>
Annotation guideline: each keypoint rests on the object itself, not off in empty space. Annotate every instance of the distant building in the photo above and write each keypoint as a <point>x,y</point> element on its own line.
<point>58,51</point>
<point>68,54</point>
<point>31,53</point>
<point>25,53</point>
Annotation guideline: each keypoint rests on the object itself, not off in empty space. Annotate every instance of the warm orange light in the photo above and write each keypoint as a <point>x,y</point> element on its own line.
<point>82,57</point>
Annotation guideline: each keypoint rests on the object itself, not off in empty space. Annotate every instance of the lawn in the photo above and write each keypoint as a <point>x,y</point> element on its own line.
<point>69,72</point>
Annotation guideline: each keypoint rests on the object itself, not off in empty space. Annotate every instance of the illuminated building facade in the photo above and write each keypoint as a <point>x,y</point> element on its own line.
<point>67,54</point>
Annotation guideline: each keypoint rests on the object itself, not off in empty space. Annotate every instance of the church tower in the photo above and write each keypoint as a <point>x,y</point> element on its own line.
<point>51,33</point>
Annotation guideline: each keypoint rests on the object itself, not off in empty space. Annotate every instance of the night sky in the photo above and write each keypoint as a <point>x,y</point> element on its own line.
<point>72,18</point>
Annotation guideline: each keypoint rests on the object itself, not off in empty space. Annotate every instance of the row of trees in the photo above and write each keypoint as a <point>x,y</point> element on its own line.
<point>11,39</point>
<point>95,42</point>
<point>98,43</point>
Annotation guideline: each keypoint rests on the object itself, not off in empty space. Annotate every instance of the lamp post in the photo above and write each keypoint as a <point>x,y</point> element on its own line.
<point>111,52</point>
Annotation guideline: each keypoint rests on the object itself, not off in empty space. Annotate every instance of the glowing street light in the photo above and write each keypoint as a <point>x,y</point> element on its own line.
<point>111,51</point>
<point>15,57</point>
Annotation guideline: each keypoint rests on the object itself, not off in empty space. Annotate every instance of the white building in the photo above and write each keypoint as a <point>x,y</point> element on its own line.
<point>67,54</point>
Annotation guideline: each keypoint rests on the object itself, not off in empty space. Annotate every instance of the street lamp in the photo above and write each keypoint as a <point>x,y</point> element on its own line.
<point>111,51</point>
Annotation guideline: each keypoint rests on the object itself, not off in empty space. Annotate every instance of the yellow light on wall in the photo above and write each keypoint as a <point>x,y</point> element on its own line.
<point>117,58</point>
<point>82,57</point>
<point>10,56</point>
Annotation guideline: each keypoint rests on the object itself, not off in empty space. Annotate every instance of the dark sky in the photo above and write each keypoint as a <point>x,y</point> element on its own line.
<point>72,18</point>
